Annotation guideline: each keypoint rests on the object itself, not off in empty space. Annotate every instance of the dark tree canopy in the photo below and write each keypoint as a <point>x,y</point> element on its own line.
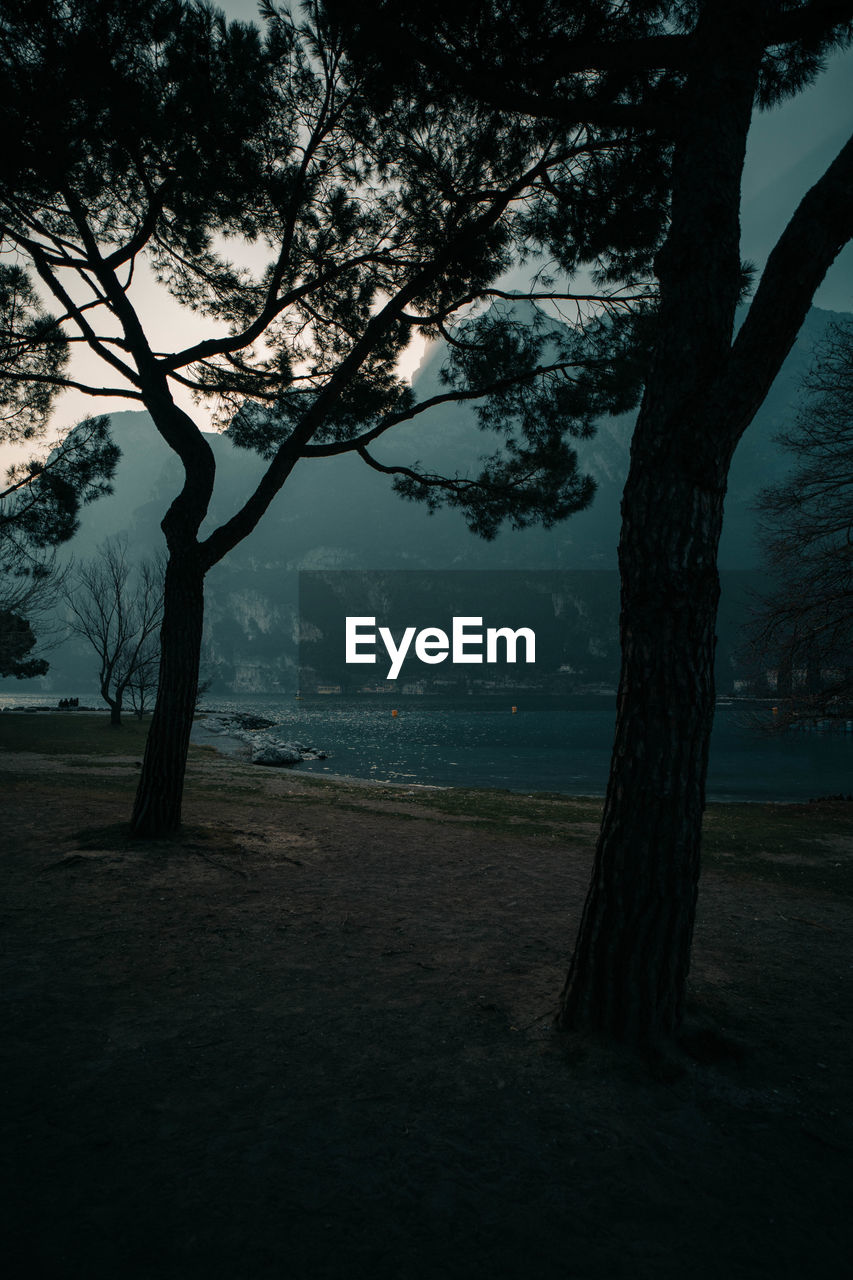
<point>160,138</point>
<point>33,352</point>
<point>592,62</point>
<point>39,509</point>
<point>40,499</point>
<point>17,639</point>
<point>40,505</point>
<point>173,130</point>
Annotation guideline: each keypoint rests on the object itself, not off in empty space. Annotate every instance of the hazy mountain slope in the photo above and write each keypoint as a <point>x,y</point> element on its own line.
<point>336,513</point>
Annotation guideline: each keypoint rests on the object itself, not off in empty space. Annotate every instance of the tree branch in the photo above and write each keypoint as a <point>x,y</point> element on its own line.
<point>820,227</point>
<point>43,267</point>
<point>357,443</point>
<point>815,19</point>
<point>236,342</point>
<point>243,522</point>
<point>70,384</point>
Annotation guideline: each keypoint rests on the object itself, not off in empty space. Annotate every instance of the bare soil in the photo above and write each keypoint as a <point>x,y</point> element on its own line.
<point>313,1038</point>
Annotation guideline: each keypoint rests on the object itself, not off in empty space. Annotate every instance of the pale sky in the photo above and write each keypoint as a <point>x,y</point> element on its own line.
<point>788,150</point>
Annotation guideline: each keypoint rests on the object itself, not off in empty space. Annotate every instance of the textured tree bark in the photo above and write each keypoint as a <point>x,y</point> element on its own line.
<point>629,968</point>
<point>157,809</point>
<point>628,973</point>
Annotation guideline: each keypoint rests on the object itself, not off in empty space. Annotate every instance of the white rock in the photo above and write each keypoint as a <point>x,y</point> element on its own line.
<point>275,753</point>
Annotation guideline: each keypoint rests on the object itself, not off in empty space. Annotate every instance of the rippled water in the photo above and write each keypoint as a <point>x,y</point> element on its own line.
<point>548,745</point>
<point>551,744</point>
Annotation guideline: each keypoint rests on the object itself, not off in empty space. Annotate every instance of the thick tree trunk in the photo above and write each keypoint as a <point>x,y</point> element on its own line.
<point>627,976</point>
<point>628,973</point>
<point>157,810</point>
<point>115,712</point>
<point>630,964</point>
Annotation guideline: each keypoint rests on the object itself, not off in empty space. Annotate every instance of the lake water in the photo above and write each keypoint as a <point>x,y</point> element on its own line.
<point>550,744</point>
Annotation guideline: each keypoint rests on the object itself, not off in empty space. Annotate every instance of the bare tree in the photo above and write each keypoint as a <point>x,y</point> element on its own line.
<point>804,626</point>
<point>118,608</point>
<point>142,685</point>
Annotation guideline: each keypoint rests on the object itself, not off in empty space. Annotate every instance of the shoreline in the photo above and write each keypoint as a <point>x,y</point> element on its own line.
<point>236,751</point>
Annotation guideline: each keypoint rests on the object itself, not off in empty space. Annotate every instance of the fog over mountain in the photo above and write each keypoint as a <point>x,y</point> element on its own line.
<point>338,514</point>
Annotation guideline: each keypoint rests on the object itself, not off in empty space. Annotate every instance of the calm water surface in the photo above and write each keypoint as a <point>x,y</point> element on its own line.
<point>550,744</point>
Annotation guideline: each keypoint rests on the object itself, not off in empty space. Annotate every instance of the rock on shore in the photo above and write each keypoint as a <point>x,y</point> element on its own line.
<point>265,747</point>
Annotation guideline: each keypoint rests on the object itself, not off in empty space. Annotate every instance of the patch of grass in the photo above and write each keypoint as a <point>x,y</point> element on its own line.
<point>508,812</point>
<point>809,846</point>
<point>504,812</point>
<point>758,827</point>
<point>798,844</point>
<point>118,764</point>
<point>232,789</point>
<point>71,733</point>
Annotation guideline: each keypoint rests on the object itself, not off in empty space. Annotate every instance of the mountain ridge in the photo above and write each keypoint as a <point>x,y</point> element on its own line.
<point>251,617</point>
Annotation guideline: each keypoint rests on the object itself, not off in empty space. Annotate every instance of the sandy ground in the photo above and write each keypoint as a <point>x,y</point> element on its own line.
<point>313,1038</point>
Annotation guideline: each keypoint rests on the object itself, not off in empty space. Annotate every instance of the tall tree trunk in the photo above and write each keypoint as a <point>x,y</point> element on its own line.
<point>629,968</point>
<point>157,810</point>
<point>630,963</point>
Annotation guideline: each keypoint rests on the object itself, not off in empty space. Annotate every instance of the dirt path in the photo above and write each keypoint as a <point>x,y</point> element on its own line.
<point>314,1040</point>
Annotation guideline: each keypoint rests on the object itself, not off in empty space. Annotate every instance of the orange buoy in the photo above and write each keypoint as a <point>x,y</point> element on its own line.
<point>394,712</point>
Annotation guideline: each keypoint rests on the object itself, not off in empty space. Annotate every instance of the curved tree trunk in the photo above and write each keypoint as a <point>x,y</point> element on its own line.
<point>157,809</point>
